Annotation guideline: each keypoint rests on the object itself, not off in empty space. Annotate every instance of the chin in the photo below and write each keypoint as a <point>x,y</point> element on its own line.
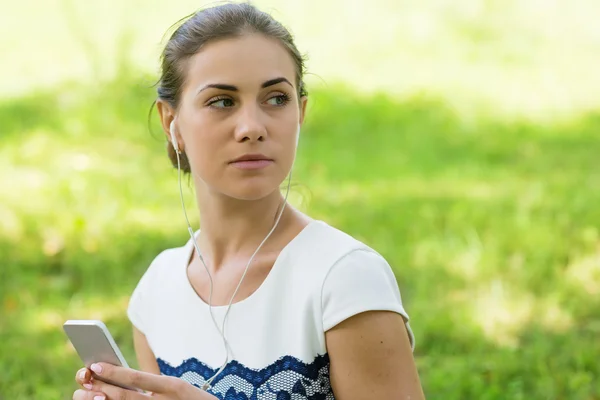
<point>251,190</point>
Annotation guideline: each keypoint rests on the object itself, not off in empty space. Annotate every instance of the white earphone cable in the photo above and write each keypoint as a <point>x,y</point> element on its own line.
<point>221,330</point>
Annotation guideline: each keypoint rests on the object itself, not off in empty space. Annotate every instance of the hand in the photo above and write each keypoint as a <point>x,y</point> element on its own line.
<point>157,387</point>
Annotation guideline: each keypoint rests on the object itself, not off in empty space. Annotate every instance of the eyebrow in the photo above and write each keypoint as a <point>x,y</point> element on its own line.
<point>275,81</point>
<point>232,88</point>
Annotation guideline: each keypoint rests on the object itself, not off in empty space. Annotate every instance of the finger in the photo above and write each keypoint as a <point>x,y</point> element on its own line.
<point>87,395</point>
<point>83,376</point>
<point>115,392</point>
<point>134,378</point>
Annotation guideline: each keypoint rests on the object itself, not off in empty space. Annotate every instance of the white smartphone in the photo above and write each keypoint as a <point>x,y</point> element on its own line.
<point>94,343</point>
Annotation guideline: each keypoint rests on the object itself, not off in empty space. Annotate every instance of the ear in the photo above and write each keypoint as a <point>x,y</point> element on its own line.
<point>167,115</point>
<point>303,101</point>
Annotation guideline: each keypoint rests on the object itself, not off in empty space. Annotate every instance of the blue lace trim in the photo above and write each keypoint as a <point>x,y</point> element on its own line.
<point>285,379</point>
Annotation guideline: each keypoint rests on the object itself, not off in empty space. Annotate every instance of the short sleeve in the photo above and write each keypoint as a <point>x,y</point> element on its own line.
<point>139,307</point>
<point>361,281</point>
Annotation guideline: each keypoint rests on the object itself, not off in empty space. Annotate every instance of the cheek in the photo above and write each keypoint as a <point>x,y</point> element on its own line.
<point>288,150</point>
<point>202,146</point>
<point>289,137</point>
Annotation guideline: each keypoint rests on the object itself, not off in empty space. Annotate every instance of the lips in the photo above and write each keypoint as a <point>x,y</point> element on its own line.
<point>252,157</point>
<point>252,162</point>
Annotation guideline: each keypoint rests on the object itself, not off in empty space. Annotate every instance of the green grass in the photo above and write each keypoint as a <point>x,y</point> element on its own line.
<point>490,227</point>
<point>460,140</point>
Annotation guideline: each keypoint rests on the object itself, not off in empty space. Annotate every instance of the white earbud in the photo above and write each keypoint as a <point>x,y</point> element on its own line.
<point>297,135</point>
<point>173,138</point>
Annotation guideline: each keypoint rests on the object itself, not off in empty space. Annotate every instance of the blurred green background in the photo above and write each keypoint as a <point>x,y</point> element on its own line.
<point>460,139</point>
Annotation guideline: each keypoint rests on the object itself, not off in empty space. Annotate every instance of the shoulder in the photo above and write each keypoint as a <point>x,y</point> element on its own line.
<point>164,263</point>
<point>338,264</point>
<point>327,246</point>
<point>346,262</point>
<point>159,274</point>
<point>353,277</point>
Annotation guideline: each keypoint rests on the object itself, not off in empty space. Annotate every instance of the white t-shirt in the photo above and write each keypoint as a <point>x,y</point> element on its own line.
<point>276,336</point>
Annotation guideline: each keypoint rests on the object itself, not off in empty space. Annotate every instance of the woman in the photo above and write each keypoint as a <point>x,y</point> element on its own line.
<point>264,302</point>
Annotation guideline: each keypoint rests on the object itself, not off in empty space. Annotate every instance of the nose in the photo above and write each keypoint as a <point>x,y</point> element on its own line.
<point>250,126</point>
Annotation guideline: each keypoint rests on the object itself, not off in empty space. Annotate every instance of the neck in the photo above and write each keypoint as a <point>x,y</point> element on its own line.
<point>232,228</point>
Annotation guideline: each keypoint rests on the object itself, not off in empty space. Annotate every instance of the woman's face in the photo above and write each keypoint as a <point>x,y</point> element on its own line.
<point>239,116</point>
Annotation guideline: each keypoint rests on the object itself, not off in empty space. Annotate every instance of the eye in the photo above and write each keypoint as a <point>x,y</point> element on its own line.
<point>279,100</point>
<point>221,102</point>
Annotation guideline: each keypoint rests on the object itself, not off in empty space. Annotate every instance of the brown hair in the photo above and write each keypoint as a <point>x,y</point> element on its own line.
<point>219,22</point>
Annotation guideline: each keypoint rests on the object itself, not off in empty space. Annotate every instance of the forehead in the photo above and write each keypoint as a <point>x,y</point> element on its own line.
<point>245,61</point>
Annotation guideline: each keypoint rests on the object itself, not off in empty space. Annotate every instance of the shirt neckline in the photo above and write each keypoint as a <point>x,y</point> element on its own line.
<point>189,247</point>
